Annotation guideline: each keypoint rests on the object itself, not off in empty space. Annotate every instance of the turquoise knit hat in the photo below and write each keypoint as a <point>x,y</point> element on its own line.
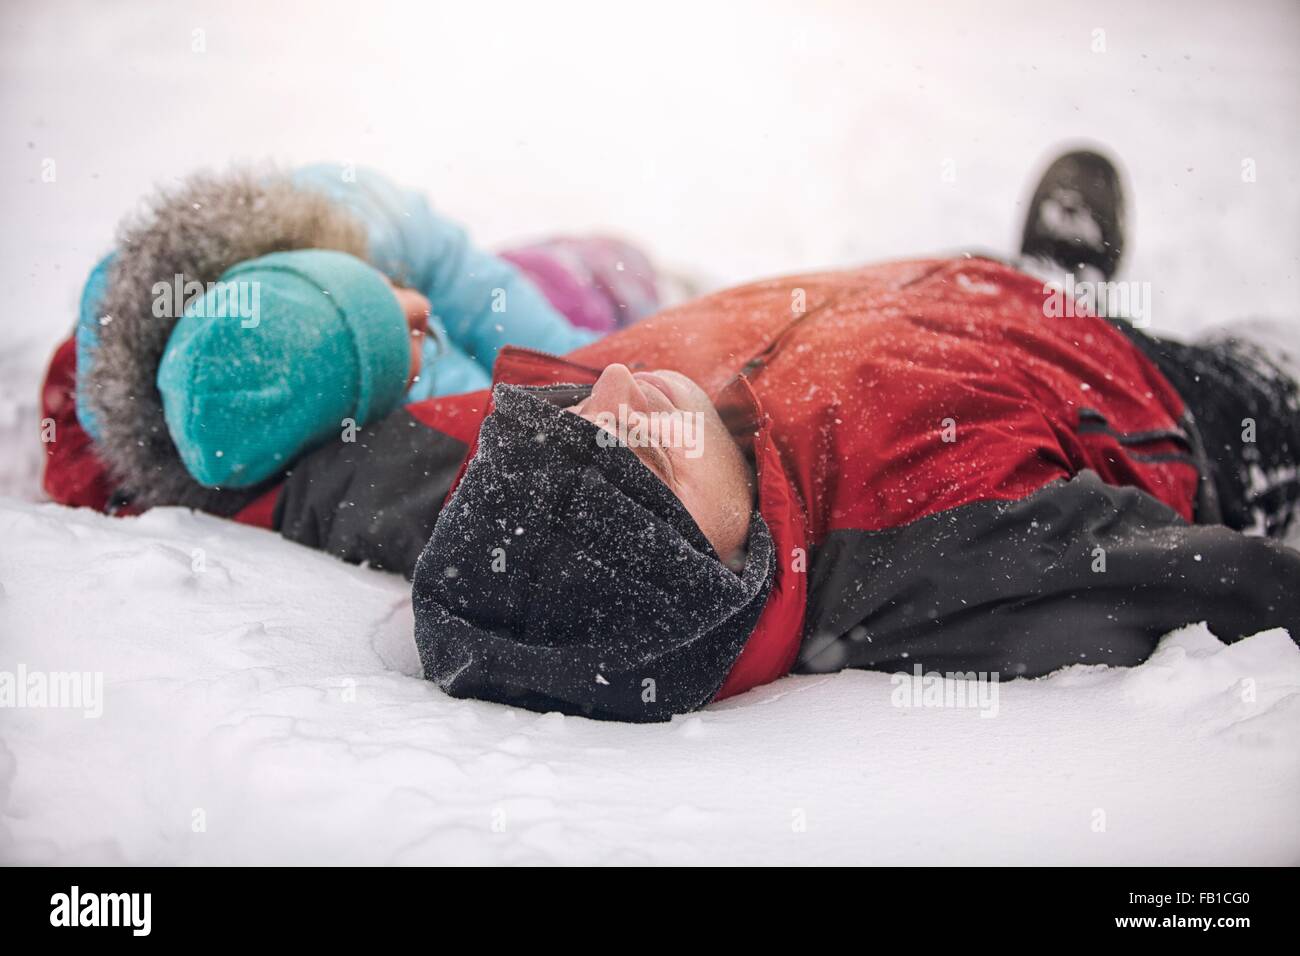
<point>275,357</point>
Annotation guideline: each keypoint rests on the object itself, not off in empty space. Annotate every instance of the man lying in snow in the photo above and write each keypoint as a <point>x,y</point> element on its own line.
<point>904,464</point>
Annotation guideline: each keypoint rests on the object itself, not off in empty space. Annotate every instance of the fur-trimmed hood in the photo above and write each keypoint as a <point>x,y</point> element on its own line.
<point>197,230</point>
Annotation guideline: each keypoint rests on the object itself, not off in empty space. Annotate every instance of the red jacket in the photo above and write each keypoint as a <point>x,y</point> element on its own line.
<point>942,466</point>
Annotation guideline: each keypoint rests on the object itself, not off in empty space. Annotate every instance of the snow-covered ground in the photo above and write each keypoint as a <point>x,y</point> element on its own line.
<point>261,702</point>
<point>272,698</point>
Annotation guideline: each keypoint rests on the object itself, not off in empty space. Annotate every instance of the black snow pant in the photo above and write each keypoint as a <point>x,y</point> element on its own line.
<point>1247,410</point>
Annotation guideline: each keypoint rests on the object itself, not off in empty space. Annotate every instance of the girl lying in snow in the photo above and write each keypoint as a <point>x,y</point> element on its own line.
<point>348,295</point>
<point>905,465</point>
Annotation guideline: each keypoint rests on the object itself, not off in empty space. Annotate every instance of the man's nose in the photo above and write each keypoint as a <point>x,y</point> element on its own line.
<point>615,387</point>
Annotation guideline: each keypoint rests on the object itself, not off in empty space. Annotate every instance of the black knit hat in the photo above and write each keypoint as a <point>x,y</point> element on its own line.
<point>566,576</point>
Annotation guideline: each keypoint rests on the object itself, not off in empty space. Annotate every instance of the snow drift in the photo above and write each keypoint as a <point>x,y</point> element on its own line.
<point>262,703</point>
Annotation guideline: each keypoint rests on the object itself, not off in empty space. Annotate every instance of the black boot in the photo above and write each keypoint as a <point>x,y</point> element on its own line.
<point>1076,217</point>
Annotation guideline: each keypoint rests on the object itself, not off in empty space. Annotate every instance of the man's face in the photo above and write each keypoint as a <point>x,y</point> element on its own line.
<point>670,424</point>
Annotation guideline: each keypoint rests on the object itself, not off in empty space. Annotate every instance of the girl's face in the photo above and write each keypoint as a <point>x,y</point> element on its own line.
<point>416,309</point>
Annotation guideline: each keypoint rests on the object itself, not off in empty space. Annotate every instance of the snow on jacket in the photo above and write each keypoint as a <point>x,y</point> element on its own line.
<point>951,478</point>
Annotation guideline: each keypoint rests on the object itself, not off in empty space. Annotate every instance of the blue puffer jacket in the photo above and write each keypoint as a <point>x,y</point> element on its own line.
<point>424,251</point>
<point>413,246</point>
